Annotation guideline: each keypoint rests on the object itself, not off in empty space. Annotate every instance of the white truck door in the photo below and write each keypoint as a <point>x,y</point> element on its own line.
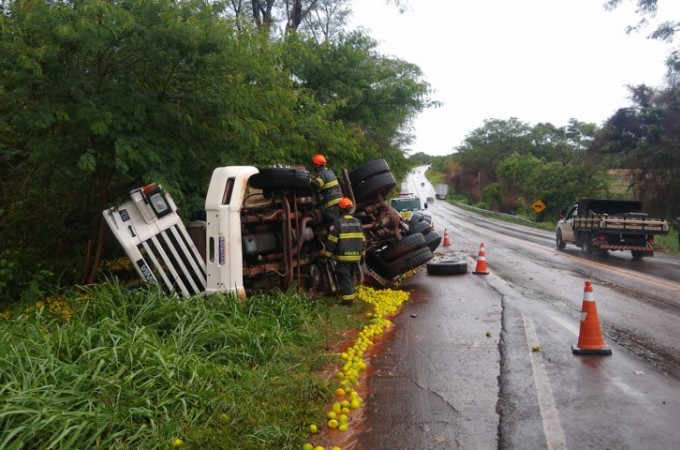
<point>567,225</point>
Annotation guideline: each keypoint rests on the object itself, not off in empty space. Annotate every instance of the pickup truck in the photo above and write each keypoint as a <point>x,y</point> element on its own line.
<point>609,225</point>
<point>262,230</point>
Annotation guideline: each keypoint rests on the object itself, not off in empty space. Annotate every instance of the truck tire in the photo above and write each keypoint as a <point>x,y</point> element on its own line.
<point>415,218</point>
<point>280,177</point>
<point>379,184</point>
<point>408,262</point>
<point>637,254</point>
<point>447,267</point>
<point>368,170</point>
<point>559,243</point>
<point>432,240</point>
<point>421,227</point>
<point>402,247</point>
<point>587,245</point>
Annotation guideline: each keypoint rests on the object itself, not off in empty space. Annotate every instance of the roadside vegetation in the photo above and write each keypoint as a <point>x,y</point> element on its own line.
<point>105,367</point>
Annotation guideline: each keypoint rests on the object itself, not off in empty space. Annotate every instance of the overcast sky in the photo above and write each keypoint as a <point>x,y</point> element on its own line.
<point>536,60</point>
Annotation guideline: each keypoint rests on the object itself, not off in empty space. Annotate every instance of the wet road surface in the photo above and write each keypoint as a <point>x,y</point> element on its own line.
<point>485,361</point>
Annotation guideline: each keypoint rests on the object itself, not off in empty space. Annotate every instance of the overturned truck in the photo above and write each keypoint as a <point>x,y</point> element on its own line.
<point>261,230</point>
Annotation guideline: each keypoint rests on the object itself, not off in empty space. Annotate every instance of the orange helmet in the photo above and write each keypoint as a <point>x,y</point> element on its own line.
<point>345,203</point>
<point>319,160</point>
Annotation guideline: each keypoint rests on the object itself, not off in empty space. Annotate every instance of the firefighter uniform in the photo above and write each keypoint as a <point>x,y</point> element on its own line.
<point>326,184</point>
<point>345,246</point>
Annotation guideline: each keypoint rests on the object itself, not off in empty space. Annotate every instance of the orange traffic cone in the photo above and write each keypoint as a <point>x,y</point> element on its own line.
<point>481,262</point>
<point>590,340</point>
<point>447,239</point>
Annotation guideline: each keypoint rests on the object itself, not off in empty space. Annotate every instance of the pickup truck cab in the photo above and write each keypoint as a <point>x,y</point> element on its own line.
<point>407,204</point>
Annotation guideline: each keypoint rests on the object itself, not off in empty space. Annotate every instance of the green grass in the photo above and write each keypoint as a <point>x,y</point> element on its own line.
<point>137,369</point>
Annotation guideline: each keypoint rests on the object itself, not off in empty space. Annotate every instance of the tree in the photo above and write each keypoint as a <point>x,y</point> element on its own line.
<point>645,139</point>
<point>373,95</point>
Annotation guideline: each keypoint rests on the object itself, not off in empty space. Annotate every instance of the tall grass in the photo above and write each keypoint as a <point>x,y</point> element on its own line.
<point>138,370</point>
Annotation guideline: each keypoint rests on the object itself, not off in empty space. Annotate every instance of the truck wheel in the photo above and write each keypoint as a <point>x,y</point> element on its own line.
<point>409,261</point>
<point>368,170</point>
<point>637,254</point>
<point>379,184</point>
<point>402,247</point>
<point>280,177</point>
<point>587,246</point>
<point>558,240</point>
<point>421,227</point>
<point>432,240</point>
<point>415,218</point>
<point>447,267</point>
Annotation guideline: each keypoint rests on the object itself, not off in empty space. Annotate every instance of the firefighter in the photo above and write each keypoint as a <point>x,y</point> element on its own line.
<point>326,184</point>
<point>345,246</point>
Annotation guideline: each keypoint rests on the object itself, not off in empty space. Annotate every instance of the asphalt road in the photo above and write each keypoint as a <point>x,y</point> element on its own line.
<point>485,361</point>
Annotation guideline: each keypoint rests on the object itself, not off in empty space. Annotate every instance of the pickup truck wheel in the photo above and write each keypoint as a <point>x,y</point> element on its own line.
<point>368,170</point>
<point>280,177</point>
<point>402,247</point>
<point>432,240</point>
<point>558,240</point>
<point>379,184</point>
<point>447,267</point>
<point>586,246</point>
<point>637,254</point>
<point>409,261</point>
<point>421,227</point>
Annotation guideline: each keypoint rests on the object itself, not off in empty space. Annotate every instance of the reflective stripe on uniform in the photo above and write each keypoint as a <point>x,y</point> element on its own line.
<point>355,235</point>
<point>335,201</point>
<point>347,258</point>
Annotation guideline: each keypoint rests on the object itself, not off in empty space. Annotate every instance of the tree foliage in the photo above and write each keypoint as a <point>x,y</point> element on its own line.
<point>644,139</point>
<point>508,164</point>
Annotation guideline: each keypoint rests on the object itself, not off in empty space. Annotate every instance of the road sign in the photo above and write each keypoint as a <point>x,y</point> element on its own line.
<point>538,206</point>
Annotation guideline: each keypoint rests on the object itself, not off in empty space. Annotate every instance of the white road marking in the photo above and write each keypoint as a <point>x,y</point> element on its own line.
<point>569,326</point>
<point>554,435</point>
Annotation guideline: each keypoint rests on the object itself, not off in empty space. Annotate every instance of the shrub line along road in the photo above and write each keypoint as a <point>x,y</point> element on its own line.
<point>462,371</point>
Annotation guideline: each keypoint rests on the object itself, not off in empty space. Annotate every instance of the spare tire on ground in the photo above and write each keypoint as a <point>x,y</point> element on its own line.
<point>447,267</point>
